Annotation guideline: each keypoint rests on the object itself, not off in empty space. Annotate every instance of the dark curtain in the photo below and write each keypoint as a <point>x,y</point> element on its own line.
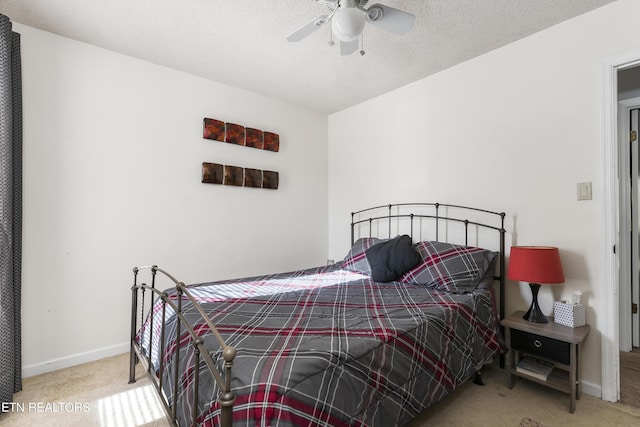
<point>10,210</point>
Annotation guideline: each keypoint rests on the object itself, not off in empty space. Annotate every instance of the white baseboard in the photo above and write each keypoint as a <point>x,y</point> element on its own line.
<point>591,389</point>
<point>74,359</point>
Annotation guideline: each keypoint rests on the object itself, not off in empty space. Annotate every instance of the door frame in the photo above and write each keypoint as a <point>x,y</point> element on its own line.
<point>627,219</point>
<point>609,323</point>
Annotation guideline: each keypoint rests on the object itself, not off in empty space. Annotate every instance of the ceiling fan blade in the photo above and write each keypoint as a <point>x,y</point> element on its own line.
<point>347,48</point>
<point>307,29</point>
<point>390,19</point>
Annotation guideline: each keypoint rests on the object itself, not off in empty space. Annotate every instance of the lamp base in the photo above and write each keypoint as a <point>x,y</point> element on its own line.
<point>534,314</point>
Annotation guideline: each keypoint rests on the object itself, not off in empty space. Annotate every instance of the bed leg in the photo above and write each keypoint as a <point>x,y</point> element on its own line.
<point>133,359</point>
<point>226,414</point>
<point>478,378</point>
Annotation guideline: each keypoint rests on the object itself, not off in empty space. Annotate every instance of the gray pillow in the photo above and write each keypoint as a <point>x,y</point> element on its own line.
<point>448,267</point>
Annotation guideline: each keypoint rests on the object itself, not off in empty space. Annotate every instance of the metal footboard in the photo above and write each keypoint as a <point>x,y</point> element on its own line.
<point>226,397</point>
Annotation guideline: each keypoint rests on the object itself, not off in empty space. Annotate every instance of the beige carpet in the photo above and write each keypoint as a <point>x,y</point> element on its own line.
<point>495,405</point>
<point>630,377</point>
<point>92,394</point>
<point>97,394</point>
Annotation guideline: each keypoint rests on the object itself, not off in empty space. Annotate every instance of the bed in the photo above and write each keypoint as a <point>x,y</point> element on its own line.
<point>372,340</point>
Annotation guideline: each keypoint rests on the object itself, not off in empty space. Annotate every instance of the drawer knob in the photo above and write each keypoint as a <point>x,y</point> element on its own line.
<point>537,343</point>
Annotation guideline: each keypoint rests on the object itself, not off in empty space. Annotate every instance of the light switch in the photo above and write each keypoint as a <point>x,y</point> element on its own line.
<point>584,191</point>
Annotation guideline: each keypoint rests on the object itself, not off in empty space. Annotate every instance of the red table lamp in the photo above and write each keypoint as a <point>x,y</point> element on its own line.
<point>535,264</point>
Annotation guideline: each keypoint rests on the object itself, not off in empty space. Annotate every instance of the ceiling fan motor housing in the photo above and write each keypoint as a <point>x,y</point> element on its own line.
<point>348,23</point>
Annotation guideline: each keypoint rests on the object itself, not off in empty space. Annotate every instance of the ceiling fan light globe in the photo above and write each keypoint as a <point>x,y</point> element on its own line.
<point>347,24</point>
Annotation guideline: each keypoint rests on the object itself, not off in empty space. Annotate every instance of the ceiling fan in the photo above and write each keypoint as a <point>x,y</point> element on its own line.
<point>348,19</point>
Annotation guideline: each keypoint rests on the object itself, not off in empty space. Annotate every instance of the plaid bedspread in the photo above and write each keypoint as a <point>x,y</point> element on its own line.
<point>329,347</point>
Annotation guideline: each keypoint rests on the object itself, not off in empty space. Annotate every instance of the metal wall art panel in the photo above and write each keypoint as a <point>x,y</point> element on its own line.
<point>271,141</point>
<point>252,178</point>
<point>214,129</point>
<point>232,133</point>
<point>215,173</point>
<point>233,175</point>
<point>212,173</point>
<point>270,179</point>
<point>254,138</point>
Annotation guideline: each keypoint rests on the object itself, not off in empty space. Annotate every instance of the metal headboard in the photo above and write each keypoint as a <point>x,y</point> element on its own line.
<point>412,214</point>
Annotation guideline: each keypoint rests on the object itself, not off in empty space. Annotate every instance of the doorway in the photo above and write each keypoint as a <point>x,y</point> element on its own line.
<point>616,234</point>
<point>629,253</point>
<point>629,167</point>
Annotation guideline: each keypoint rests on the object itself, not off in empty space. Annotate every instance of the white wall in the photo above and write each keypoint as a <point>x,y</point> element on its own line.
<point>112,167</point>
<point>514,130</point>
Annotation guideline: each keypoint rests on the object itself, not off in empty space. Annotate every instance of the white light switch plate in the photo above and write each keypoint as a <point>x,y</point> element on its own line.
<point>584,191</point>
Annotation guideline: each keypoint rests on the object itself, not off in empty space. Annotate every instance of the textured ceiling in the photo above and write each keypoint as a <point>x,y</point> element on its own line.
<point>243,43</point>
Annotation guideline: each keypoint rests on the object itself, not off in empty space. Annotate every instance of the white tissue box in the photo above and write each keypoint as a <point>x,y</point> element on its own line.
<point>572,315</point>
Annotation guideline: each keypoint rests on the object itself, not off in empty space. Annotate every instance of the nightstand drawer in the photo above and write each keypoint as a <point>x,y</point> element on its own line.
<point>549,348</point>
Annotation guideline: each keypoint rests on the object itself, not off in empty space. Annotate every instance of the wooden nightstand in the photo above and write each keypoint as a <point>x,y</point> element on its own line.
<point>551,342</point>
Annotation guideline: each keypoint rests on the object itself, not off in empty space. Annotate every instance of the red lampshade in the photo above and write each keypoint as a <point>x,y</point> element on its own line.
<point>535,264</point>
